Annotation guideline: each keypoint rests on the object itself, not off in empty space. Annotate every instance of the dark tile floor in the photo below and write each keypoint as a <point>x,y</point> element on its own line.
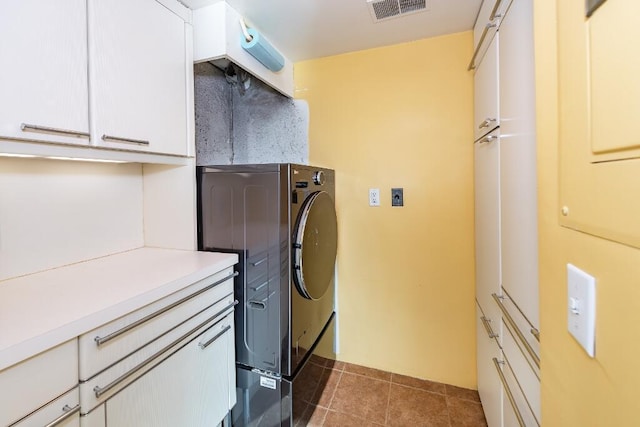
<point>341,394</point>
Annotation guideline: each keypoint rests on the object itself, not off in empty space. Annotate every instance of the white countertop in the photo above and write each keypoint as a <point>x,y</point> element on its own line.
<point>42,310</point>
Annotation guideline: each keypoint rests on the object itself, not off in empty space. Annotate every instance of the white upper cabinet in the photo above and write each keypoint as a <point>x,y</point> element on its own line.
<point>95,79</point>
<point>217,35</point>
<point>486,92</point>
<point>43,77</point>
<point>137,54</point>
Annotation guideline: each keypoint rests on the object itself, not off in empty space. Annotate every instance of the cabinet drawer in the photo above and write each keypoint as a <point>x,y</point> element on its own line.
<point>36,381</point>
<point>96,418</point>
<point>137,362</point>
<point>62,412</point>
<point>152,327</point>
<point>488,381</point>
<point>524,369</point>
<point>516,408</point>
<point>190,388</point>
<point>521,327</point>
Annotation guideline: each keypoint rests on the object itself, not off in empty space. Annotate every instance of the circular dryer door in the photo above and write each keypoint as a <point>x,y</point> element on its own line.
<point>315,245</point>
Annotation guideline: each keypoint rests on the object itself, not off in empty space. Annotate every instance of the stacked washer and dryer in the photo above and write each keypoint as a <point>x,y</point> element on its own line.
<point>280,219</point>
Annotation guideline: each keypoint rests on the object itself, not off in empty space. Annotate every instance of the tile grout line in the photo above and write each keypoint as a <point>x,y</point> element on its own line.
<point>333,395</point>
<point>335,389</point>
<point>386,414</point>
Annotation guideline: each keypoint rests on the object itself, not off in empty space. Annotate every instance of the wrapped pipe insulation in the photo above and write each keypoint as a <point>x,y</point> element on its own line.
<point>262,50</point>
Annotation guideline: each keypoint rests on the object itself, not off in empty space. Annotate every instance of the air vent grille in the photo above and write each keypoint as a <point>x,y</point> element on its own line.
<point>407,6</point>
<point>385,9</point>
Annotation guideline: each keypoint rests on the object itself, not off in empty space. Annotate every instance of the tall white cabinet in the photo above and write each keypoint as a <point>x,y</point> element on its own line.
<point>506,214</point>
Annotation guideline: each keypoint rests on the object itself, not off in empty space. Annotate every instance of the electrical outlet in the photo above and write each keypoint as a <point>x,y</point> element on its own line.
<point>374,197</point>
<point>581,307</point>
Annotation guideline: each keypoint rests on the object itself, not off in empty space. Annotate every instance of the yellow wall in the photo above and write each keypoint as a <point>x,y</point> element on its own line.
<point>578,390</point>
<point>401,116</point>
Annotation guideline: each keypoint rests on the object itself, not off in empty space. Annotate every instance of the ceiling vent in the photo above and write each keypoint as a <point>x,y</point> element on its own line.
<point>381,10</point>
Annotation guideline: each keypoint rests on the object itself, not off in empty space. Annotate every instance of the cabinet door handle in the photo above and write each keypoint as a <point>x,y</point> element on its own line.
<point>494,11</point>
<point>25,127</point>
<point>487,327</point>
<point>206,344</point>
<point>507,390</point>
<point>125,140</point>
<point>102,340</point>
<point>485,123</point>
<point>487,138</point>
<point>68,413</point>
<point>472,64</point>
<point>99,391</point>
<point>513,325</point>
<point>535,333</point>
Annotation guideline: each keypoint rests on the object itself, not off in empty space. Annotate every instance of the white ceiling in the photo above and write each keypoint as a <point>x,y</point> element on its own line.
<point>306,29</point>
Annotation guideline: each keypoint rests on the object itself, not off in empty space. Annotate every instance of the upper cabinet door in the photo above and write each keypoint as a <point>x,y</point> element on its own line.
<point>486,99</point>
<point>43,77</point>
<point>138,76</point>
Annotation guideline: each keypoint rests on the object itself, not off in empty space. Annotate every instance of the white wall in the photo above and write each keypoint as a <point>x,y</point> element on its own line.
<point>170,216</point>
<point>55,213</point>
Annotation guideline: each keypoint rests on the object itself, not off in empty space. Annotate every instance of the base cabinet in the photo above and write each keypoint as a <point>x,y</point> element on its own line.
<point>489,387</point>
<point>43,389</point>
<point>148,342</point>
<point>170,363</point>
<point>190,388</point>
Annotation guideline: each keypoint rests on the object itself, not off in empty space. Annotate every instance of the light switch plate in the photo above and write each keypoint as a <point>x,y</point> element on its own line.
<point>581,307</point>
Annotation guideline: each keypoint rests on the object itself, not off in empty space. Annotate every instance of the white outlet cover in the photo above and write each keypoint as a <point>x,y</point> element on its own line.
<point>581,307</point>
<point>374,197</point>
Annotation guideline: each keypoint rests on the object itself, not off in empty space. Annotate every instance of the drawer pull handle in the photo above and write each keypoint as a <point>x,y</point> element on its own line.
<point>257,263</point>
<point>99,391</point>
<point>125,140</point>
<point>507,390</point>
<point>472,64</point>
<point>102,340</point>
<point>487,327</point>
<point>513,325</point>
<point>25,127</point>
<point>485,123</point>
<point>204,345</point>
<point>257,288</point>
<point>68,413</point>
